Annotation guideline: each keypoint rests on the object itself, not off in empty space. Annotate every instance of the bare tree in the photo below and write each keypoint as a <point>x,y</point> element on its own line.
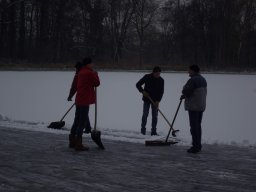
<point>3,27</point>
<point>12,29</point>
<point>117,21</point>
<point>43,23</point>
<point>22,30</point>
<point>247,35</point>
<point>145,10</point>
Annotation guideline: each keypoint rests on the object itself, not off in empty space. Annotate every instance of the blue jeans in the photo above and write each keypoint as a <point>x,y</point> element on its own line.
<point>146,107</point>
<point>81,121</point>
<point>195,119</point>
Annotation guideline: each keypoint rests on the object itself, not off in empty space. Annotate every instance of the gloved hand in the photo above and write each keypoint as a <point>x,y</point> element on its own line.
<point>145,94</point>
<point>69,98</point>
<point>182,97</point>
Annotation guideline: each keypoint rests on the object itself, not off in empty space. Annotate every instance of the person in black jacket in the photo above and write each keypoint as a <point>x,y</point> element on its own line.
<point>153,88</point>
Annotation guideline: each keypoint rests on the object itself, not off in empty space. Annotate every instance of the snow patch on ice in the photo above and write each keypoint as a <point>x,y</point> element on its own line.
<point>107,133</point>
<point>25,125</point>
<point>131,136</point>
<point>223,174</point>
<point>2,118</point>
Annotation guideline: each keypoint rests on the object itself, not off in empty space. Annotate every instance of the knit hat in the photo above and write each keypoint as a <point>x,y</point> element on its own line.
<point>194,68</point>
<point>87,60</point>
<point>78,65</point>
<point>156,69</point>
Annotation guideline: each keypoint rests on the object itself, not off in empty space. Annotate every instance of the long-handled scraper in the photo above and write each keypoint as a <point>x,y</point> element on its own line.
<point>95,134</point>
<point>166,142</point>
<point>61,123</point>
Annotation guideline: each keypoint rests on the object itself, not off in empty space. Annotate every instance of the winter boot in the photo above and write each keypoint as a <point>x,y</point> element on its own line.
<point>79,146</point>
<point>87,130</point>
<point>72,141</point>
<point>153,132</point>
<point>193,150</point>
<point>143,131</point>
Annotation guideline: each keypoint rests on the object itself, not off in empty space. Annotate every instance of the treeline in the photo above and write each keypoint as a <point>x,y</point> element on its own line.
<point>216,34</point>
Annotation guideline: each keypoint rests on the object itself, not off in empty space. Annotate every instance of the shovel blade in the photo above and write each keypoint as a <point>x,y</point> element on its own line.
<point>174,132</point>
<point>159,143</point>
<point>57,125</point>
<point>95,135</point>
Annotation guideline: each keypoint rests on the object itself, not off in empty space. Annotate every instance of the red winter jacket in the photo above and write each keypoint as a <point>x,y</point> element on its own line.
<point>87,80</point>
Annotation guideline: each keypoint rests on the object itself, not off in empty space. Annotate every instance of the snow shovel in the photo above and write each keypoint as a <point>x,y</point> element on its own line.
<point>166,142</point>
<point>61,123</point>
<point>95,134</point>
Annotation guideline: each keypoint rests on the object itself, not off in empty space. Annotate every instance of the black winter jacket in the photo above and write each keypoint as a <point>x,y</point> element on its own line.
<point>154,86</point>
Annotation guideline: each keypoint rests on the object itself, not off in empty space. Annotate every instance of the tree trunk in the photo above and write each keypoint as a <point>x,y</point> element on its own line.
<point>22,30</point>
<point>12,30</point>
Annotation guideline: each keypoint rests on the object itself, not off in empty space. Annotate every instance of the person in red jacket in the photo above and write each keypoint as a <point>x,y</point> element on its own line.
<point>73,90</point>
<point>87,80</point>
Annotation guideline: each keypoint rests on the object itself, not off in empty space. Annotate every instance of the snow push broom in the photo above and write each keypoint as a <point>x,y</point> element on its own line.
<point>95,134</point>
<point>61,123</point>
<point>166,142</point>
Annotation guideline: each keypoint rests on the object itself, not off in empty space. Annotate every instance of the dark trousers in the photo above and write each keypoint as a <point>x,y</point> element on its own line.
<point>81,120</point>
<point>195,119</point>
<point>146,107</point>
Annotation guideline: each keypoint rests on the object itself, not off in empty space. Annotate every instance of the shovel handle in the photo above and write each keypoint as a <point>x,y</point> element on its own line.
<point>67,112</point>
<point>151,100</point>
<point>174,131</point>
<point>95,118</point>
<point>171,125</point>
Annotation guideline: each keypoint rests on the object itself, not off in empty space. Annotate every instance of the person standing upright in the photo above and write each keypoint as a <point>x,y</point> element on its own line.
<point>194,92</point>
<point>153,88</point>
<point>73,90</point>
<point>86,82</point>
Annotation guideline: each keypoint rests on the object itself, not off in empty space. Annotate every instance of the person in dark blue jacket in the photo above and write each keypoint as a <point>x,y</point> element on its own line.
<point>194,92</point>
<point>153,88</point>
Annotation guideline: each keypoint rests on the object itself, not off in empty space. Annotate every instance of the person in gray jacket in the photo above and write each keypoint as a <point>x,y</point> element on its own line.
<point>194,92</point>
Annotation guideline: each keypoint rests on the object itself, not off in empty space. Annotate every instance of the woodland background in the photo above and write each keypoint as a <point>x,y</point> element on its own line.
<point>129,34</point>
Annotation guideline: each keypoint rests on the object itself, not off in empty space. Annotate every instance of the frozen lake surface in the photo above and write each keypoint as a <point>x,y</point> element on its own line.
<point>31,100</point>
<point>35,161</point>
